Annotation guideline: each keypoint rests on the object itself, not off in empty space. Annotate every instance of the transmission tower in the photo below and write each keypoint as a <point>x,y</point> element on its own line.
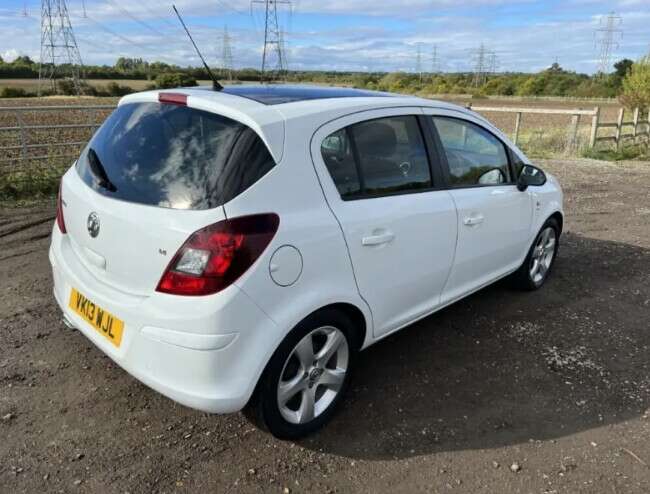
<point>418,62</point>
<point>480,66</point>
<point>607,37</point>
<point>434,60</point>
<point>226,55</point>
<point>274,62</point>
<point>60,56</point>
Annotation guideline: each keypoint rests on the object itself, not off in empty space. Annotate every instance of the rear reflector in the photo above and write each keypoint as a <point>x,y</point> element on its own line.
<point>216,256</point>
<point>173,98</point>
<point>59,210</point>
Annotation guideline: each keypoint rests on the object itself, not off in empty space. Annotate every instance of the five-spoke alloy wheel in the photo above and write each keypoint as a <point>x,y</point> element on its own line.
<point>535,269</point>
<point>307,376</point>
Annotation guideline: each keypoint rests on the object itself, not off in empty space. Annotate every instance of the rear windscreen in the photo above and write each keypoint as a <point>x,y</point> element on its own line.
<point>172,156</point>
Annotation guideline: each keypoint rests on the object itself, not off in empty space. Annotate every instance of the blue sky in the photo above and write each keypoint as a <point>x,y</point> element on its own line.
<point>525,35</point>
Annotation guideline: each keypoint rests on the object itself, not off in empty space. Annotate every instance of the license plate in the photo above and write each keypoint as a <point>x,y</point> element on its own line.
<point>101,320</point>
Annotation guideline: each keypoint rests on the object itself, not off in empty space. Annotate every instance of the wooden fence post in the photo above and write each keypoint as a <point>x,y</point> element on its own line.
<point>515,137</point>
<point>573,133</point>
<point>635,123</point>
<point>594,127</point>
<point>619,125</point>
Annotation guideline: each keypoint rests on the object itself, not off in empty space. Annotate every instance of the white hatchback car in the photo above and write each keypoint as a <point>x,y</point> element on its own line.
<point>236,249</point>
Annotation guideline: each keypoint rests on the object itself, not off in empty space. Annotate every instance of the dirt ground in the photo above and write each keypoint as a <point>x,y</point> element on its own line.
<point>504,392</point>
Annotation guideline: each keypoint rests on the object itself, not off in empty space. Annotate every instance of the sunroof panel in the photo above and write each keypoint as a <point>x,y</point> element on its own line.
<point>278,94</point>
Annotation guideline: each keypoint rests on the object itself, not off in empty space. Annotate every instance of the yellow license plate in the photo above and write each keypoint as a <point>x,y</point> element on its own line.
<point>101,320</point>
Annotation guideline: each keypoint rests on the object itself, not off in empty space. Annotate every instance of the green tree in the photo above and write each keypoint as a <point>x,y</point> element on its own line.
<point>174,79</point>
<point>636,85</point>
<point>623,67</point>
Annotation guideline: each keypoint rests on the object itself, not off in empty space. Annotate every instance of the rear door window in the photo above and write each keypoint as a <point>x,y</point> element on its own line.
<point>173,156</point>
<point>378,157</point>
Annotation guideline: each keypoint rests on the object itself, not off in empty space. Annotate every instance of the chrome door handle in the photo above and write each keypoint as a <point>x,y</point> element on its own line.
<point>473,220</point>
<point>382,238</point>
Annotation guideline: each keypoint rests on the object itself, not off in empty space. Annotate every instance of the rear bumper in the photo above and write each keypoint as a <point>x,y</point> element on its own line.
<point>199,351</point>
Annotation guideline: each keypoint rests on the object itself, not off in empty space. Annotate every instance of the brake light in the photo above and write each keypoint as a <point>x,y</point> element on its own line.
<point>173,98</point>
<point>216,256</point>
<point>59,210</point>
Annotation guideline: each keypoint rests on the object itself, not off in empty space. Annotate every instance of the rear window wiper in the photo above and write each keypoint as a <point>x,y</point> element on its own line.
<point>99,171</point>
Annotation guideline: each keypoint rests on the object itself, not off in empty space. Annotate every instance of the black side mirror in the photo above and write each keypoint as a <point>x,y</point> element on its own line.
<point>530,175</point>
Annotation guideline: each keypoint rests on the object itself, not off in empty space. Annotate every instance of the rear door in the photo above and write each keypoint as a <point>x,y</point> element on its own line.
<point>151,176</point>
<point>494,217</point>
<point>376,171</point>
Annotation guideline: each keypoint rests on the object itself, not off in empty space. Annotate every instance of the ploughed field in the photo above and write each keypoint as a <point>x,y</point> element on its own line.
<point>502,392</point>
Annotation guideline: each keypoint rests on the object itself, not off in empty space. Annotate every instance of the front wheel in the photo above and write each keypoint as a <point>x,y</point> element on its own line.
<point>536,267</point>
<point>307,376</point>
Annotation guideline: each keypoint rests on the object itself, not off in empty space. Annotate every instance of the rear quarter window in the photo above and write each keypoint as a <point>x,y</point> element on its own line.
<point>173,156</point>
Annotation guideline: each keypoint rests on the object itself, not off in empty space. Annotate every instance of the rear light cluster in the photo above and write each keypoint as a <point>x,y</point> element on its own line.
<point>59,210</point>
<point>215,256</point>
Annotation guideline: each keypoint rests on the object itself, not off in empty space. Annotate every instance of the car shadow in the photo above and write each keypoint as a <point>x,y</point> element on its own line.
<point>504,367</point>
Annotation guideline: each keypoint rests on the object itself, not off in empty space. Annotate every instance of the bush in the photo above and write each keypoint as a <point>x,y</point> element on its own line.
<point>66,87</point>
<point>115,89</point>
<point>636,85</point>
<point>174,79</point>
<point>13,92</point>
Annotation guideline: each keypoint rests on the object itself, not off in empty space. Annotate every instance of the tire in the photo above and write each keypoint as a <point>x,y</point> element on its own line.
<point>304,382</point>
<point>535,269</point>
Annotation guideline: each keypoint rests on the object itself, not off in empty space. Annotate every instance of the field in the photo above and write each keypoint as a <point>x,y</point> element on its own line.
<point>556,382</point>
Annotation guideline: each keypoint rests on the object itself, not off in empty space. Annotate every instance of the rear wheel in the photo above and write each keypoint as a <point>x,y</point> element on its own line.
<point>538,263</point>
<point>307,376</point>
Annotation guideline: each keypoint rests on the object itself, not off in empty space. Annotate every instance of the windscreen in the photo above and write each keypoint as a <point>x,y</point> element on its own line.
<point>172,156</point>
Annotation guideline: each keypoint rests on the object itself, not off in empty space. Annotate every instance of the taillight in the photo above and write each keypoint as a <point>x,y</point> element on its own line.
<point>215,256</point>
<point>59,210</point>
<point>173,98</point>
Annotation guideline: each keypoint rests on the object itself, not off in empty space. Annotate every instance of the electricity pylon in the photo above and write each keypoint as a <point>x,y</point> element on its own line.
<point>607,37</point>
<point>59,51</point>
<point>226,55</point>
<point>274,62</point>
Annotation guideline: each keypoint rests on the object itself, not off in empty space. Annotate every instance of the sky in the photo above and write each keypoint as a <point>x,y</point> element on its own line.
<point>349,35</point>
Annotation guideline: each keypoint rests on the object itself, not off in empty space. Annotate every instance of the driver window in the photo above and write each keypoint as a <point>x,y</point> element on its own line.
<point>474,155</point>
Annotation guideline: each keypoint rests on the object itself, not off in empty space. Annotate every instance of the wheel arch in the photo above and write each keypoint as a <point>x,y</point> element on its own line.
<point>557,216</point>
<point>359,322</point>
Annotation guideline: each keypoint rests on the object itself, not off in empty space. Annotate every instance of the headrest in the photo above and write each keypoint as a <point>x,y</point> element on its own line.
<point>375,138</point>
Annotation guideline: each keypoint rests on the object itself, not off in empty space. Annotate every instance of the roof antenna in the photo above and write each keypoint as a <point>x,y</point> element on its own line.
<point>215,83</point>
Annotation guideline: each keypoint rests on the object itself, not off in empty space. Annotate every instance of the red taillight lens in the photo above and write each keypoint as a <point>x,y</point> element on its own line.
<point>215,256</point>
<point>59,210</point>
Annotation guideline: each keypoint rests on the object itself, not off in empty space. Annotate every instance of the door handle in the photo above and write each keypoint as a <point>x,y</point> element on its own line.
<point>473,220</point>
<point>382,238</point>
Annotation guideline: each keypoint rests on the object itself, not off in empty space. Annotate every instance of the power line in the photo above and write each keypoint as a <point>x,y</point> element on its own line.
<point>135,18</point>
<point>59,51</point>
<point>607,37</point>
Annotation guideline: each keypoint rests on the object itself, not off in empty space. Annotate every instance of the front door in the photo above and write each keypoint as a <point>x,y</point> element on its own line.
<point>494,217</point>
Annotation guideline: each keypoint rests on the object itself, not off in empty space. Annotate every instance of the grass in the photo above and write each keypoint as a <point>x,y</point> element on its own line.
<point>636,152</point>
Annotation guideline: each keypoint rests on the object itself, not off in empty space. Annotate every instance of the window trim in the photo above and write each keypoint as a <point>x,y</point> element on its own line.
<point>443,155</point>
<point>434,177</point>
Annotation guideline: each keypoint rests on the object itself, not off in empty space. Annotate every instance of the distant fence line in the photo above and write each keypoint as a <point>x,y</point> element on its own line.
<point>636,123</point>
<point>19,141</point>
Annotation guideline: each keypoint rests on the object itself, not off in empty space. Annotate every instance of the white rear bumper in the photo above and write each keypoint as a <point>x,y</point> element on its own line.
<point>203,352</point>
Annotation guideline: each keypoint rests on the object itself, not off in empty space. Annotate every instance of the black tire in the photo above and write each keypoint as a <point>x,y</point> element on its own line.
<point>264,408</point>
<point>522,277</point>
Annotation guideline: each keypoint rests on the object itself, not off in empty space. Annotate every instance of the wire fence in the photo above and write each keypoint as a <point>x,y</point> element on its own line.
<point>37,143</point>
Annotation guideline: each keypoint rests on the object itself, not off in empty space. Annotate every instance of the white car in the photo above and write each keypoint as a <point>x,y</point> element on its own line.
<point>236,249</point>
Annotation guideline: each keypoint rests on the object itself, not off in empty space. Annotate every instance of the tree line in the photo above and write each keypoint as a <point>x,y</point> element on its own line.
<point>630,80</point>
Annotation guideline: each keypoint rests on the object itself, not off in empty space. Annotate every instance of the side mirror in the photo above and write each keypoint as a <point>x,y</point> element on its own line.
<point>530,176</point>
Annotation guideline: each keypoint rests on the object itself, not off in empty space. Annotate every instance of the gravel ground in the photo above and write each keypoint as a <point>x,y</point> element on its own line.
<point>545,392</point>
